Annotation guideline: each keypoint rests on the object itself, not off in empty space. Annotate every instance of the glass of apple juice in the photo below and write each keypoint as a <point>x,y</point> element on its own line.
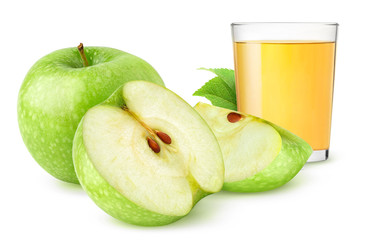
<point>285,74</point>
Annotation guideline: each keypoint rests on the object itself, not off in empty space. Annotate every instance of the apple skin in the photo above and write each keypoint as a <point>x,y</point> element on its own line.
<point>291,159</point>
<point>56,93</point>
<point>107,197</point>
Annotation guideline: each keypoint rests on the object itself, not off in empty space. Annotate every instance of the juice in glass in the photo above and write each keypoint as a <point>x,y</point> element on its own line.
<point>288,82</point>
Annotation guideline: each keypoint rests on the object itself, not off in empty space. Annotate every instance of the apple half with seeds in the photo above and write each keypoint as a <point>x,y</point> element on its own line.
<point>258,155</point>
<point>145,156</point>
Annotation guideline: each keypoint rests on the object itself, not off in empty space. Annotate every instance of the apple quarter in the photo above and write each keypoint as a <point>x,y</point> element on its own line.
<point>258,155</point>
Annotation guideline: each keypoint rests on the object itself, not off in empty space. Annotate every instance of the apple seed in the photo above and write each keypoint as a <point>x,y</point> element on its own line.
<point>234,117</point>
<point>164,137</point>
<point>153,145</point>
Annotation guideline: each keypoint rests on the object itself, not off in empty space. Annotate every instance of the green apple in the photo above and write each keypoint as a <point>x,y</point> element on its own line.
<point>145,156</point>
<point>57,92</point>
<point>258,155</point>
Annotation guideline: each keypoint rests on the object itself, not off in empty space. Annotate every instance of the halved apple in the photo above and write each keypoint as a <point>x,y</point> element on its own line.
<point>258,155</point>
<point>145,156</point>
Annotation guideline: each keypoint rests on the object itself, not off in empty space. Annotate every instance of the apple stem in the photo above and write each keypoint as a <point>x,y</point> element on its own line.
<point>82,54</point>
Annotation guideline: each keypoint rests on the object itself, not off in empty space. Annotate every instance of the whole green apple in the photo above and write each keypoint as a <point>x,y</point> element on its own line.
<point>59,89</point>
<point>145,156</point>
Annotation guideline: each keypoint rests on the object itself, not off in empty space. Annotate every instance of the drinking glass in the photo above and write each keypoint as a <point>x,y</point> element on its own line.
<point>285,74</point>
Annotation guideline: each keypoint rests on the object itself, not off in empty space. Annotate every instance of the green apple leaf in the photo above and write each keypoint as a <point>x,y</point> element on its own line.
<point>220,90</point>
<point>227,75</point>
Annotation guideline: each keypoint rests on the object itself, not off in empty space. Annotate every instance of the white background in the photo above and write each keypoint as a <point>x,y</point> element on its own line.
<point>326,200</point>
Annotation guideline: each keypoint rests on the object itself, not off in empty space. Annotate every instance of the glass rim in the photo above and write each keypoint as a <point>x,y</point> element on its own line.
<point>285,23</point>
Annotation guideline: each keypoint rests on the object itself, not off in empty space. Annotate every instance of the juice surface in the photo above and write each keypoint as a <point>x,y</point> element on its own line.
<point>289,83</point>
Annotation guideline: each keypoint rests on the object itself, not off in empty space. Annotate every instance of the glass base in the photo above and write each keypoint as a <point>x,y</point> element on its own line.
<point>318,155</point>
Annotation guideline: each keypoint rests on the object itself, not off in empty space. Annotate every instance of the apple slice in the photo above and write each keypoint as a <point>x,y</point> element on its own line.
<point>258,155</point>
<point>145,156</point>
